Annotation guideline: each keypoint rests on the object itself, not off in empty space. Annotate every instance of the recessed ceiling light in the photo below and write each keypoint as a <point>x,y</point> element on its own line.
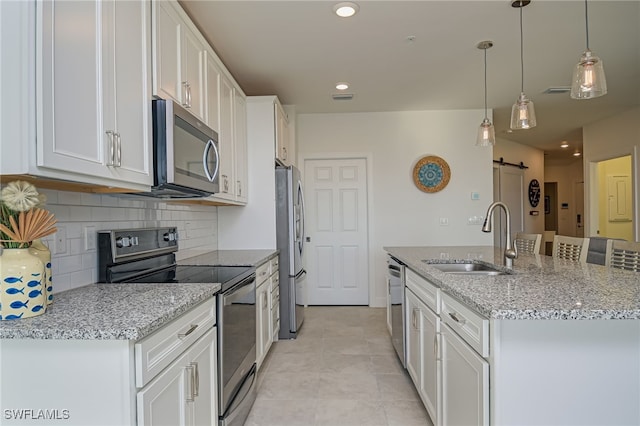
<point>346,9</point>
<point>342,86</point>
<point>564,144</point>
<point>576,154</point>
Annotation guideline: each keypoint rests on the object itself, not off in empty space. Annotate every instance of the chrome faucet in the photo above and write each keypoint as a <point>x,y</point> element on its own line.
<point>510,252</point>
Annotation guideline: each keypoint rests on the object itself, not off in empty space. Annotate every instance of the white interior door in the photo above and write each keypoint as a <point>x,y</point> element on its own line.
<point>337,256</point>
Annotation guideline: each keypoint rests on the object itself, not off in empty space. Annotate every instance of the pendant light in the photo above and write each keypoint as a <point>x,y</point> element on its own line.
<point>486,131</point>
<point>588,76</point>
<point>523,116</point>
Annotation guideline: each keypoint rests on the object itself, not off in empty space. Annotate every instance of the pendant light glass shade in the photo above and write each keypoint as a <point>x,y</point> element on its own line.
<point>486,131</point>
<point>523,116</point>
<point>588,76</point>
<point>486,134</point>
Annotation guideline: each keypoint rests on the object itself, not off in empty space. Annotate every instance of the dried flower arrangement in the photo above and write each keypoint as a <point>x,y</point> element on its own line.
<point>22,220</point>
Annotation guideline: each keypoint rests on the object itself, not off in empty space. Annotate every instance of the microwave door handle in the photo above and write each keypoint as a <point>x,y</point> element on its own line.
<point>205,154</point>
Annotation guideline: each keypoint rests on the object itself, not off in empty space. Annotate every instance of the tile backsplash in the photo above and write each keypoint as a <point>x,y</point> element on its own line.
<point>74,254</point>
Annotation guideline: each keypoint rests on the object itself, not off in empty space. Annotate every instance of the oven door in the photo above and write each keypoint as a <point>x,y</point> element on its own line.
<point>236,341</point>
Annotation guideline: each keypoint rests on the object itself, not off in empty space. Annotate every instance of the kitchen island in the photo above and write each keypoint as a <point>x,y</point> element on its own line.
<point>560,343</point>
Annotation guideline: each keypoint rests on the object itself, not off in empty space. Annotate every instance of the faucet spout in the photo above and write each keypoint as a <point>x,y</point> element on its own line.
<point>510,251</point>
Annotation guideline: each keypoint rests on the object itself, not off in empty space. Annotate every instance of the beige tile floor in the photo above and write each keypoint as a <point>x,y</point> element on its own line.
<point>341,370</point>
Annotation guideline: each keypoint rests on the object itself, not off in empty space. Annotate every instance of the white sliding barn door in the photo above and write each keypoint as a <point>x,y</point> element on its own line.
<point>337,256</point>
<point>508,187</point>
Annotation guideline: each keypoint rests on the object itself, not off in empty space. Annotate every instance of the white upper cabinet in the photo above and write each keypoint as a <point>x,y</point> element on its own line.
<point>242,169</point>
<point>282,136</point>
<point>94,115</point>
<point>178,55</point>
<point>212,91</point>
<point>226,140</point>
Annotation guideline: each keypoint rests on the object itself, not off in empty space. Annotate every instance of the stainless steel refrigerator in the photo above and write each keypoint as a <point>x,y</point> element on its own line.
<point>290,241</point>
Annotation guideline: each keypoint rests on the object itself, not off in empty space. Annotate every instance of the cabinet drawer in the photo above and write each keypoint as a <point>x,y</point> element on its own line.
<point>470,326</point>
<point>275,279</point>
<point>263,272</point>
<point>275,264</point>
<point>427,292</point>
<point>275,296</point>
<point>157,351</point>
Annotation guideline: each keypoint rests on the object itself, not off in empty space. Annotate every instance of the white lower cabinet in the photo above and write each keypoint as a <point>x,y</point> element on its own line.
<point>465,382</point>
<point>423,364</point>
<point>267,307</point>
<point>185,392</point>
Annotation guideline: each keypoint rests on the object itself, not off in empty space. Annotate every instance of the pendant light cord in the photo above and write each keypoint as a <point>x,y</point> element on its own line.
<point>586,22</point>
<point>485,84</point>
<point>521,54</point>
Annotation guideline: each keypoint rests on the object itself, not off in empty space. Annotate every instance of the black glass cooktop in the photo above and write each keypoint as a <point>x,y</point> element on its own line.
<point>228,276</point>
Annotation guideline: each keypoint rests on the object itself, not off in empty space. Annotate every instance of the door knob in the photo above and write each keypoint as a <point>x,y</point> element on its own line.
<point>308,239</point>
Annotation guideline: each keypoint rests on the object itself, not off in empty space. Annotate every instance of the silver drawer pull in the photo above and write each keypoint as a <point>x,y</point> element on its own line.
<point>191,396</point>
<point>456,319</point>
<point>188,332</point>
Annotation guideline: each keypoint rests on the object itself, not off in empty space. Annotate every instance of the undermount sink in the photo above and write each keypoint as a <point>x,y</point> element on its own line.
<point>468,268</point>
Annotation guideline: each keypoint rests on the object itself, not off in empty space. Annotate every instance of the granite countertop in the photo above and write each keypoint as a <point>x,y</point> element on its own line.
<point>540,287</point>
<point>230,258</point>
<point>125,311</point>
<point>110,311</point>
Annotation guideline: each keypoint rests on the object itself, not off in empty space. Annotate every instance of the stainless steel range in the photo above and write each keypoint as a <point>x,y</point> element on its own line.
<point>148,256</point>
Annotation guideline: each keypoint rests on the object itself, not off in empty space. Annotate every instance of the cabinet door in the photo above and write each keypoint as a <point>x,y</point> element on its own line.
<point>204,409</point>
<point>212,92</point>
<point>412,336</point>
<point>429,388</point>
<point>226,140</point>
<point>132,104</point>
<point>261,322</point>
<point>242,170</point>
<point>166,52</point>
<point>163,401</point>
<point>192,70</point>
<point>465,382</point>
<point>71,136</point>
<point>282,134</point>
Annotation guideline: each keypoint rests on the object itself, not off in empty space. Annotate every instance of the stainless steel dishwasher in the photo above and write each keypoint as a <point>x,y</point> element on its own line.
<point>396,290</point>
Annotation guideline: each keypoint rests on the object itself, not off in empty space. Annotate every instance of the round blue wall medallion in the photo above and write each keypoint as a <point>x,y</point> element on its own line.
<point>431,174</point>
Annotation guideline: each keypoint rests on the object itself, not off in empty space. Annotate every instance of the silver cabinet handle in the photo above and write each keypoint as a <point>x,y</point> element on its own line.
<point>196,379</point>
<point>239,188</point>
<point>456,319</point>
<point>112,148</point>
<point>185,94</point>
<point>118,160</point>
<point>191,396</point>
<point>188,332</point>
<point>264,301</point>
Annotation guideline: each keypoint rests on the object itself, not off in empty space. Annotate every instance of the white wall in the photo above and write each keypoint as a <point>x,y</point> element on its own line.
<point>401,214</point>
<point>533,158</point>
<point>610,138</point>
<point>197,225</point>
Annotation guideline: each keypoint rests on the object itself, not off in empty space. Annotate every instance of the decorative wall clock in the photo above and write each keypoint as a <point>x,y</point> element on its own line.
<point>431,174</point>
<point>534,192</point>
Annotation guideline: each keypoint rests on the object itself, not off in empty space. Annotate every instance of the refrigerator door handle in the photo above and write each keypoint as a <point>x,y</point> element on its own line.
<point>302,236</point>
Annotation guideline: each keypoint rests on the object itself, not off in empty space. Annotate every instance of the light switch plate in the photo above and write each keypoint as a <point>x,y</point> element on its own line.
<point>60,240</point>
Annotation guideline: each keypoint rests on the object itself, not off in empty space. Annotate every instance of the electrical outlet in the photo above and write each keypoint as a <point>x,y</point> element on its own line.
<point>475,220</point>
<point>60,240</point>
<point>89,237</point>
<point>444,221</point>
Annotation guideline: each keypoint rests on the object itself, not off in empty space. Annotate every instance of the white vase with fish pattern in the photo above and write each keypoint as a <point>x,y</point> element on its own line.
<point>22,285</point>
<point>42,252</point>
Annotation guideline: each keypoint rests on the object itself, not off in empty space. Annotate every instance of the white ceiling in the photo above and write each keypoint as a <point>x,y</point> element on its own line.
<point>299,50</point>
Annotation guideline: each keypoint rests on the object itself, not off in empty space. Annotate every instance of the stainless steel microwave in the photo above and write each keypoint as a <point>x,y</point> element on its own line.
<point>185,153</point>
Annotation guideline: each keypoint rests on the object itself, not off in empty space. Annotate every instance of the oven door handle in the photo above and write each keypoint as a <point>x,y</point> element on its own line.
<point>240,291</point>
